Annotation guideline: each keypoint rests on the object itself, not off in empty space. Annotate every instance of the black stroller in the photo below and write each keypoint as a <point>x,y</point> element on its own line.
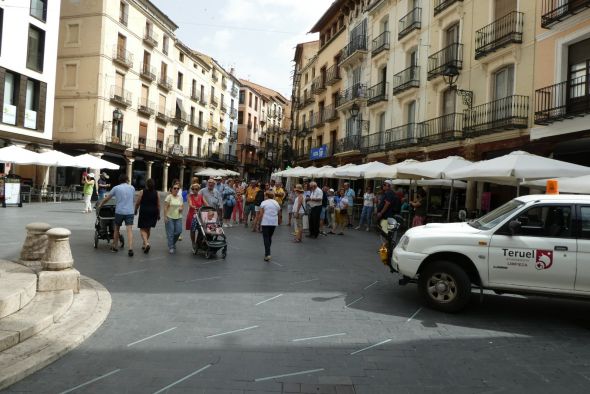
<point>210,236</point>
<point>104,228</point>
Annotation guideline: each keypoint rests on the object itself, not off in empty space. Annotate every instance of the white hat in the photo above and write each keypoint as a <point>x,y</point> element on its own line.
<point>389,182</point>
<point>331,190</point>
<point>91,174</point>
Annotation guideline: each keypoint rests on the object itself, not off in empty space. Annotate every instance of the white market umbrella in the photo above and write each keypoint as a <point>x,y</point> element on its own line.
<point>576,185</point>
<point>328,171</point>
<point>210,172</point>
<point>58,159</point>
<point>514,168</point>
<point>17,155</point>
<point>302,173</point>
<point>360,170</point>
<point>287,173</point>
<point>88,161</point>
<point>317,173</point>
<point>229,172</point>
<point>387,172</point>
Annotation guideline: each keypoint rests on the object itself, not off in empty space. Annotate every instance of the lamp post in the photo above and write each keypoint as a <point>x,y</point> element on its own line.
<point>117,123</point>
<point>450,76</point>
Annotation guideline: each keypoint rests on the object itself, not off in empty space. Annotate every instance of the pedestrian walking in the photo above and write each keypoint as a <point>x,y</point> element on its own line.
<point>367,212</point>
<point>280,195</point>
<point>290,200</point>
<point>87,190</point>
<point>195,201</point>
<point>229,202</point>
<point>148,205</point>
<point>103,185</point>
<point>315,204</point>
<point>298,212</point>
<point>388,206</point>
<point>211,197</point>
<point>238,212</point>
<point>324,215</point>
<point>257,201</point>
<point>341,211</point>
<point>332,211</point>
<point>124,195</point>
<point>268,217</point>
<point>173,206</point>
<point>350,195</point>
<point>419,208</point>
<point>250,207</point>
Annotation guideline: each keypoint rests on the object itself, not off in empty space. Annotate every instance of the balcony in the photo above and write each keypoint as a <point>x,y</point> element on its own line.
<point>203,101</point>
<point>146,108</point>
<point>447,61</point>
<point>151,146</point>
<point>165,83</point>
<point>230,159</point>
<point>223,107</point>
<point>402,136</point>
<point>564,100</point>
<point>123,141</point>
<point>410,22</point>
<point>308,100</point>
<point>332,75</point>
<point>214,101</point>
<point>352,143</point>
<point>224,82</point>
<point>378,93</point>
<point>406,79</point>
<point>441,5</point>
<point>351,95</point>
<point>330,113</point>
<point>214,76</point>
<point>213,127</point>
<point>503,114</point>
<point>198,125</point>
<point>150,38</point>
<point>317,120</point>
<point>354,51</point>
<point>445,128</point>
<point>373,143</point>
<point>122,57</point>
<point>234,90</point>
<point>194,96</point>
<point>175,150</point>
<point>251,143</point>
<point>317,86</point>
<point>162,116</point>
<point>233,113</point>
<point>124,16</point>
<point>180,118</point>
<point>221,134</point>
<point>120,96</point>
<point>554,11</point>
<point>304,130</point>
<point>381,43</point>
<point>498,34</point>
<point>147,72</point>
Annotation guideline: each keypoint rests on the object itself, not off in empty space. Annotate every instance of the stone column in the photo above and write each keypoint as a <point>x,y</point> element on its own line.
<point>148,165</point>
<point>130,169</point>
<point>181,175</point>
<point>165,177</point>
<point>35,245</point>
<point>58,272</point>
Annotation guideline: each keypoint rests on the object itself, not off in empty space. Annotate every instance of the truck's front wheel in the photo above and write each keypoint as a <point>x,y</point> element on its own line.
<point>445,286</point>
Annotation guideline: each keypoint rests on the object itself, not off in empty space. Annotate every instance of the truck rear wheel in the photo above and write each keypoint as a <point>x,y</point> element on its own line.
<point>445,286</point>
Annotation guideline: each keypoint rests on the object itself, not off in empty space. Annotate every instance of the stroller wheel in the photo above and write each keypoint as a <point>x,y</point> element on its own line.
<point>224,253</point>
<point>95,239</point>
<point>195,248</point>
<point>208,254</point>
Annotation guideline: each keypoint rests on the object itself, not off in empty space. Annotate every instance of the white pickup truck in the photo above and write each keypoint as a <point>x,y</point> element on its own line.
<point>536,244</point>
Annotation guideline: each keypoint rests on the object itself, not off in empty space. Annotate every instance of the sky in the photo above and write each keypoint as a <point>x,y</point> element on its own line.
<point>256,37</point>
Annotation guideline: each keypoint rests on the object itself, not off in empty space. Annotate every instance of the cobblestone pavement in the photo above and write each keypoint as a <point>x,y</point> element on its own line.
<point>324,316</point>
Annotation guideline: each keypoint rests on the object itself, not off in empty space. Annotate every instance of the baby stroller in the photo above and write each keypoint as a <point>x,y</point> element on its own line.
<point>210,236</point>
<point>104,228</point>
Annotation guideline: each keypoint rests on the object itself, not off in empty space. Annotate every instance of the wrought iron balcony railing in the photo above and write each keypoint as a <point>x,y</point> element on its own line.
<point>150,38</point>
<point>380,43</point>
<point>356,44</point>
<point>444,128</point>
<point>498,34</point>
<point>230,159</point>
<point>124,139</point>
<point>147,72</point>
<point>507,113</point>
<point>347,144</point>
<point>376,142</point>
<point>318,119</point>
<point>410,22</point>
<point>441,5</point>
<point>554,11</point>
<point>180,118</point>
<point>406,79</point>
<point>162,115</point>
<point>358,91</point>
<point>332,75</point>
<point>165,83</point>
<point>147,145</point>
<point>447,61</point>
<point>120,96</point>
<point>317,86</point>
<point>563,100</point>
<point>224,82</point>
<point>233,113</point>
<point>403,136</point>
<point>330,113</point>
<point>214,101</point>
<point>195,96</point>
<point>234,90</point>
<point>146,107</point>
<point>378,93</point>
<point>122,56</point>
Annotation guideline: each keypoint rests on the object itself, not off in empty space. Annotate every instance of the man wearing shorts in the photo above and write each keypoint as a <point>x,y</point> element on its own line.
<point>249,209</point>
<point>124,195</point>
<point>349,194</point>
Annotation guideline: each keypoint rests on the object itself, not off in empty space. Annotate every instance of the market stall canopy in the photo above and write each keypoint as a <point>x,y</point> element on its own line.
<point>17,155</point>
<point>576,185</point>
<point>231,172</point>
<point>360,170</point>
<point>513,168</point>
<point>59,159</point>
<point>431,182</point>
<point>433,168</point>
<point>329,172</point>
<point>303,172</point>
<point>210,172</point>
<point>287,173</point>
<point>389,171</point>
<point>317,173</point>
<point>88,161</point>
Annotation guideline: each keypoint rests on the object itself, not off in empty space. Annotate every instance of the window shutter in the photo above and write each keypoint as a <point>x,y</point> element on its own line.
<point>42,106</point>
<point>20,105</point>
<point>143,130</point>
<point>2,77</point>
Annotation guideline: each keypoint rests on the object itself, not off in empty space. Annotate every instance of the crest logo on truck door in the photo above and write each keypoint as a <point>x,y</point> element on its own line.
<point>543,259</point>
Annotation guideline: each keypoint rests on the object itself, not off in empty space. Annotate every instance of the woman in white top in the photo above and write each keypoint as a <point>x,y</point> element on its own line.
<point>367,212</point>
<point>341,202</point>
<point>298,212</point>
<point>268,217</point>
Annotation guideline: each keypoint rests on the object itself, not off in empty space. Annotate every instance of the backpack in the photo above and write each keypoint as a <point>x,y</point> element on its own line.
<point>231,200</point>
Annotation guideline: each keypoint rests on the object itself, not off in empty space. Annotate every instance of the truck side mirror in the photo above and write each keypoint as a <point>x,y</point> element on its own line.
<point>514,227</point>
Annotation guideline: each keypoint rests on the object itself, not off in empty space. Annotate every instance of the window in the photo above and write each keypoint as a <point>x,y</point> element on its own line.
<point>504,82</point>
<point>202,98</point>
<point>123,13</point>
<point>163,71</point>
<point>190,144</point>
<point>31,104</point>
<point>68,118</point>
<point>192,115</point>
<point>200,121</point>
<point>242,99</point>
<point>36,48</point>
<point>165,42</point>
<point>222,100</point>
<point>162,104</point>
<point>255,103</point>
<point>232,104</point>
<point>212,93</point>
<point>240,117</point>
<point>39,9</point>
<point>544,221</point>
<point>1,26</point>
<point>449,101</point>
<point>145,94</point>
<point>72,34</point>
<point>250,99</point>
<point>70,76</point>
<point>194,88</point>
<point>181,57</point>
<point>179,81</point>
<point>11,83</point>
<point>585,222</point>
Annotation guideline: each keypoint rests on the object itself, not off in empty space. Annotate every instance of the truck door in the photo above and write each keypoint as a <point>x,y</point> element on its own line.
<point>542,254</point>
<point>583,272</point>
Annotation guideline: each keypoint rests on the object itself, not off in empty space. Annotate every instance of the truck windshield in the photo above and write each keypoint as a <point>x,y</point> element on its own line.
<point>498,215</point>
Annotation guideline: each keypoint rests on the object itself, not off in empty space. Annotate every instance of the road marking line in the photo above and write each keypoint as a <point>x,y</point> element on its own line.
<point>183,379</point>
<point>370,347</point>
<point>151,336</point>
<point>270,299</point>
<point>200,279</point>
<point>353,302</point>
<point>371,285</point>
<point>275,263</point>
<point>319,337</point>
<point>414,315</point>
<point>131,272</point>
<point>304,281</point>
<point>91,381</point>
<point>231,332</point>
<point>289,374</point>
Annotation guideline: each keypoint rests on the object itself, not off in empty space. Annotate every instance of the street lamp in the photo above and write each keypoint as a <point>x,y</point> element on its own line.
<point>354,110</point>
<point>450,76</point>
<point>117,123</point>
